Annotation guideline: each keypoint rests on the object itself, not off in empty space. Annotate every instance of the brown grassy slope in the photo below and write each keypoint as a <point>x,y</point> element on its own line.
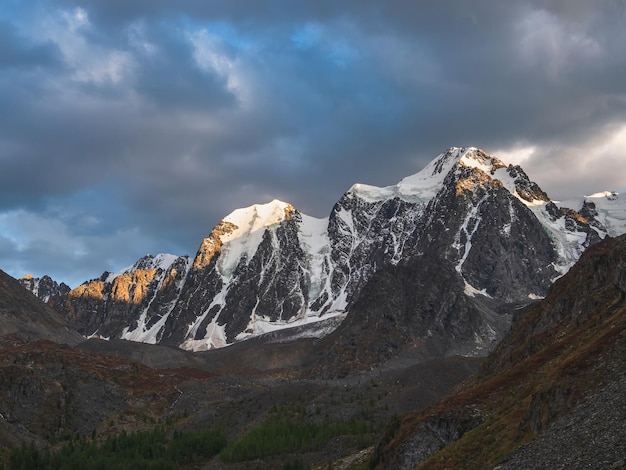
<point>562,350</point>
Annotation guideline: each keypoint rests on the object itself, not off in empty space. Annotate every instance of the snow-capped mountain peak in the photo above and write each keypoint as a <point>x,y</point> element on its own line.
<point>424,185</point>
<point>256,217</point>
<point>438,168</point>
<point>246,228</point>
<point>240,232</point>
<point>162,262</point>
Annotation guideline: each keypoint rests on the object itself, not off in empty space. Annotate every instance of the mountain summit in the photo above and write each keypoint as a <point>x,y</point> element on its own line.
<point>269,267</point>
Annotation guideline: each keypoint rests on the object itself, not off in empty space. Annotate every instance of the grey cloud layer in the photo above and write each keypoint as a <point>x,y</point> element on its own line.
<point>170,115</point>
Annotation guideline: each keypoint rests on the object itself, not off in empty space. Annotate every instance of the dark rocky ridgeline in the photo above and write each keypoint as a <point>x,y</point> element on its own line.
<point>496,243</point>
<point>549,396</point>
<point>46,289</point>
<point>25,316</point>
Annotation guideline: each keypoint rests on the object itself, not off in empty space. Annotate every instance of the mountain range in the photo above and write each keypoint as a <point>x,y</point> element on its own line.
<point>458,319</point>
<point>270,267</point>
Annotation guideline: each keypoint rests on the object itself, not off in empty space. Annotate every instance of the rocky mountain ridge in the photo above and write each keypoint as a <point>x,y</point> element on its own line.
<point>45,288</point>
<point>270,267</point>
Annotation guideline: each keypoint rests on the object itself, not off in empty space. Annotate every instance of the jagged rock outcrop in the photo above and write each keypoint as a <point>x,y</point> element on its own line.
<point>46,289</point>
<point>434,433</point>
<point>269,267</point>
<point>498,245</point>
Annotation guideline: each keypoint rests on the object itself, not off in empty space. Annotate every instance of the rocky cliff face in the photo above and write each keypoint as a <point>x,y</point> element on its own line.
<point>486,227</point>
<point>132,304</point>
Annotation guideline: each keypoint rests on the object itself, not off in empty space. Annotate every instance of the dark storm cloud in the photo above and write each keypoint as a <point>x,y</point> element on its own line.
<point>14,53</point>
<point>133,127</point>
<point>171,78</point>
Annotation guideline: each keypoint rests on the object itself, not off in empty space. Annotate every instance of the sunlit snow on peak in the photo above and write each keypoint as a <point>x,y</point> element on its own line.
<point>161,261</point>
<point>250,225</point>
<point>256,217</point>
<point>424,185</point>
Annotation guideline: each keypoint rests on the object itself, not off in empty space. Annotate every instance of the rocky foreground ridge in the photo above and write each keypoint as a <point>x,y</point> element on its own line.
<point>489,230</point>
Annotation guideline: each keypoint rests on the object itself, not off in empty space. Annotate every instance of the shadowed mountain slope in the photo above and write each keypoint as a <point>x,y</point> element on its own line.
<point>549,396</point>
<point>24,315</point>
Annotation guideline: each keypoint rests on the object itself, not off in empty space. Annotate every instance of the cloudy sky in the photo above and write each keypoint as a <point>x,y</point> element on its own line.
<point>133,127</point>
